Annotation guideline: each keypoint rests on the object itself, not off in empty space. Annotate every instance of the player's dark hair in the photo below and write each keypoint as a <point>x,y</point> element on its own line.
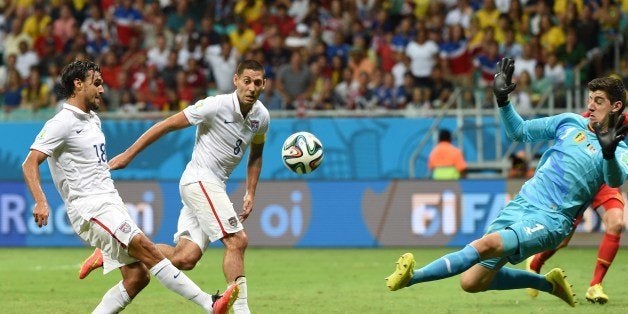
<point>613,87</point>
<point>251,65</point>
<point>76,70</point>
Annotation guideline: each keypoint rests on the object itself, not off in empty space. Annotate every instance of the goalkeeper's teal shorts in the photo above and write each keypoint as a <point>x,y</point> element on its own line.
<point>534,230</point>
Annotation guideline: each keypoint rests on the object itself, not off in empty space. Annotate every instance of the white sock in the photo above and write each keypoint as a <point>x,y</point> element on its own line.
<point>241,305</point>
<point>114,301</point>
<point>175,280</point>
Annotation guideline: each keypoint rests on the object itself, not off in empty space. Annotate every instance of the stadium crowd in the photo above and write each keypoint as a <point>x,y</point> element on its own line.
<point>353,54</point>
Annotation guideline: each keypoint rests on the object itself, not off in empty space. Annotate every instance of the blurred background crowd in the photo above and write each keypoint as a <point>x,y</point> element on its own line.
<point>163,55</point>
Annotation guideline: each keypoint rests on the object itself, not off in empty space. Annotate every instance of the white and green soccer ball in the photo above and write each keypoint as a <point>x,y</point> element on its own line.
<point>302,152</point>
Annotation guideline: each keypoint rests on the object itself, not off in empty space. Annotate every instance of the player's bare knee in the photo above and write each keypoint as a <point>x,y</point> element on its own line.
<point>470,284</point>
<point>615,226</point>
<point>144,250</point>
<point>488,246</point>
<point>237,242</point>
<point>185,262</point>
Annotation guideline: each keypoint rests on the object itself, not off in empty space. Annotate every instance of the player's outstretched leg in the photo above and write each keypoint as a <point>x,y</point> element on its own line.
<point>402,274</point>
<point>560,286</point>
<point>223,302</point>
<point>91,263</point>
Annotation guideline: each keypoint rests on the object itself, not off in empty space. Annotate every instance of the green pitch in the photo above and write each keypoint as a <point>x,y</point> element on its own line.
<point>297,281</point>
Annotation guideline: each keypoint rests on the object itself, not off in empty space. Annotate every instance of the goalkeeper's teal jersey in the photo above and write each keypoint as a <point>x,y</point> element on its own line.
<point>572,170</point>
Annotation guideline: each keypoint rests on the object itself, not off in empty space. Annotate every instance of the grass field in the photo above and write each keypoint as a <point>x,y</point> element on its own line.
<point>296,281</point>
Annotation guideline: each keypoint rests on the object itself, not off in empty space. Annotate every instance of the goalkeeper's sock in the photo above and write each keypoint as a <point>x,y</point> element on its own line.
<point>511,278</point>
<point>175,280</point>
<point>114,301</point>
<point>241,305</point>
<point>449,265</point>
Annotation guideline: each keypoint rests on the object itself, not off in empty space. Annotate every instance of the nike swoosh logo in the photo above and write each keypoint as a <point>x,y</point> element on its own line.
<point>227,122</point>
<point>79,131</point>
<point>177,275</point>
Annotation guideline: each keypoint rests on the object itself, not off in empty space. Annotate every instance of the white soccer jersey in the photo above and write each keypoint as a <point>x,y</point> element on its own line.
<point>75,144</point>
<point>222,136</point>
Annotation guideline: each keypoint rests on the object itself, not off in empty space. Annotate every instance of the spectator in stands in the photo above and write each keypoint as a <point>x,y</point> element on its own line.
<point>35,95</point>
<point>299,38</point>
<point>294,80</point>
<point>64,26</point>
<point>572,52</point>
<point>34,25</point>
<point>488,15</point>
<point>338,48</point>
<point>511,48</point>
<point>456,57</point>
<point>243,37</point>
<point>403,33</point>
<point>158,26</point>
<point>47,45</point>
<point>345,86</point>
<point>13,91</point>
<point>363,96</point>
<point>26,58</point>
<point>281,18</point>
<point>522,96</point>
<point>540,83</point>
<point>170,70</point>
<point>440,89</point>
<point>387,93</point>
<point>95,22</point>
<point>485,63</point>
<point>207,31</point>
<point>461,14</point>
<point>128,21</point>
<point>536,12</point>
<point>360,63</point>
<point>158,54</point>
<point>419,101</point>
<point>177,19</point>
<point>552,34</point>
<point>98,45</point>
<point>608,14</point>
<point>526,62</point>
<point>14,38</point>
<point>554,70</point>
<point>270,97</point>
<point>423,54</point>
<point>446,161</point>
<point>223,60</point>
<point>250,10</point>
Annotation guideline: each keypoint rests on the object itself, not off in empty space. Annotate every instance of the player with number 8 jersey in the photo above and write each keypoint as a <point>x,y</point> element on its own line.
<point>226,126</point>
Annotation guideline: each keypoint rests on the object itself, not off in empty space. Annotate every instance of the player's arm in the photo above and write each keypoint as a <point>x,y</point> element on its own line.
<point>175,122</point>
<point>253,170</point>
<point>30,169</point>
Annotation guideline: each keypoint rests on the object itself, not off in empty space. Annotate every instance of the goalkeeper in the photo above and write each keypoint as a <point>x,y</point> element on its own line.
<point>586,154</point>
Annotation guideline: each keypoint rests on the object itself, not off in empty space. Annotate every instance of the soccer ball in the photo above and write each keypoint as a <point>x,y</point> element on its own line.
<point>302,152</point>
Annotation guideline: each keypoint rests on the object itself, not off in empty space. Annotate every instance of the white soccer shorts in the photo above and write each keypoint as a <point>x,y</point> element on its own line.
<point>109,228</point>
<point>207,214</point>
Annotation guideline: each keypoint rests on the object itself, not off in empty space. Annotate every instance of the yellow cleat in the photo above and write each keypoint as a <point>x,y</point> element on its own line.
<point>561,287</point>
<point>595,294</point>
<point>403,273</point>
<point>532,292</point>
